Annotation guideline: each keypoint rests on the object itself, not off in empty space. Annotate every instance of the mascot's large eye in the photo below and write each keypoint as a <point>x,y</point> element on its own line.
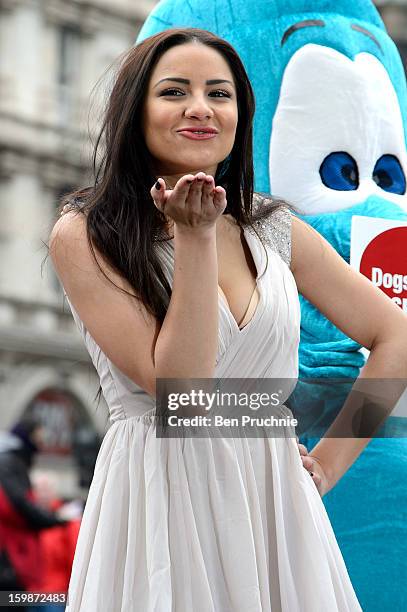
<point>389,175</point>
<point>340,171</point>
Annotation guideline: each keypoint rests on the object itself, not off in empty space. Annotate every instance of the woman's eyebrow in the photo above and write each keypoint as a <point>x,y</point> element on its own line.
<point>188,82</point>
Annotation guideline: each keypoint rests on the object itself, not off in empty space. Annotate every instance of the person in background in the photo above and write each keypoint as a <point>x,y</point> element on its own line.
<point>57,543</point>
<point>21,518</point>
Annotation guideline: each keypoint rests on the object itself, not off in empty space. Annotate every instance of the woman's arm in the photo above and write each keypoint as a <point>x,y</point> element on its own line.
<point>185,345</point>
<point>367,315</point>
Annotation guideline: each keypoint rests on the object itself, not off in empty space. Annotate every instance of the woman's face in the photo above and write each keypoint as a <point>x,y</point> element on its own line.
<point>191,90</point>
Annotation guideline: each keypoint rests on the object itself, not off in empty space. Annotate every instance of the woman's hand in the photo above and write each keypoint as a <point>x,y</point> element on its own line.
<point>315,470</point>
<point>194,202</point>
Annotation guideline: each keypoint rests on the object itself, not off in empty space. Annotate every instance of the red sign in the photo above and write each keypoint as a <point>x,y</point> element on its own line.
<point>384,262</point>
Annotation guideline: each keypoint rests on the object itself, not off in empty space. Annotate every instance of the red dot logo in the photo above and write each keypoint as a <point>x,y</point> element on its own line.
<point>384,262</point>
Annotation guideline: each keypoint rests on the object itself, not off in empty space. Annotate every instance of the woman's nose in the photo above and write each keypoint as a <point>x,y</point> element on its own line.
<point>198,108</point>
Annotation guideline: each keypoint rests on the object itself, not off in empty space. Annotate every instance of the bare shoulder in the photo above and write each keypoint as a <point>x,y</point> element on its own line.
<point>68,234</point>
<point>306,244</point>
<point>313,260</point>
<point>74,257</point>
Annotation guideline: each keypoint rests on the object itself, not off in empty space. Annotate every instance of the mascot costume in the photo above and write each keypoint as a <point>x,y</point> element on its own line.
<point>329,137</point>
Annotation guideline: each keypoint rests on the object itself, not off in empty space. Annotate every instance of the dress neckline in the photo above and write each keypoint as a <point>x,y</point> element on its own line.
<point>248,237</point>
<point>222,297</point>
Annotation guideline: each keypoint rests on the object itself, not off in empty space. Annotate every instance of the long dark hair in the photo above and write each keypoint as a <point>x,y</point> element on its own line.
<point>122,222</point>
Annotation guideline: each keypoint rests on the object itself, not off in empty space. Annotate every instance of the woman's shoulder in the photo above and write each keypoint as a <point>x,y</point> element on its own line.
<point>265,205</point>
<point>77,199</point>
<point>69,224</point>
<point>72,221</point>
<point>272,222</point>
<point>68,229</point>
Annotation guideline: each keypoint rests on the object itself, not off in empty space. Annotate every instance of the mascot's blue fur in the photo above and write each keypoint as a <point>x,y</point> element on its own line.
<point>329,136</point>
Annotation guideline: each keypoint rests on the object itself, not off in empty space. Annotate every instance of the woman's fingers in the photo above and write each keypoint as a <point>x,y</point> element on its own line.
<point>303,450</point>
<point>219,199</point>
<point>158,194</point>
<point>307,461</point>
<point>207,190</point>
<point>317,479</point>
<point>182,190</point>
<point>194,199</point>
<point>314,469</point>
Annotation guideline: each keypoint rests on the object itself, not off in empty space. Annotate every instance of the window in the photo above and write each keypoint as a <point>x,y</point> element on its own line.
<point>69,47</point>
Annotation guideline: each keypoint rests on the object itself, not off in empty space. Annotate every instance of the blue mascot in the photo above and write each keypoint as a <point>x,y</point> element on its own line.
<point>329,137</point>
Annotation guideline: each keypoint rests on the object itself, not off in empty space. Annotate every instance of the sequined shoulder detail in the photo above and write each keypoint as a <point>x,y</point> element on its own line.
<point>274,229</point>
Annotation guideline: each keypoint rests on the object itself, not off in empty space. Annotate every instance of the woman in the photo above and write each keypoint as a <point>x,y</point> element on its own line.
<point>167,278</point>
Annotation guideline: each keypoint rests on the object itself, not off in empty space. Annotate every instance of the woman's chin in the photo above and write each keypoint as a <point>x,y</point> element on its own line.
<point>192,167</point>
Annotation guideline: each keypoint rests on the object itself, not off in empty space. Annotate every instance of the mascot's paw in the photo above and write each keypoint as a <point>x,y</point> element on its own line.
<point>330,359</point>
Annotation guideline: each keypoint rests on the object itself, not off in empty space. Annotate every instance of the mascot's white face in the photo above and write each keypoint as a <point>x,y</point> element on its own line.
<point>337,134</point>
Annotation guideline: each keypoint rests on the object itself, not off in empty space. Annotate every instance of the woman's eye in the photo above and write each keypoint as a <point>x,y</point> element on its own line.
<point>172,92</point>
<point>220,93</point>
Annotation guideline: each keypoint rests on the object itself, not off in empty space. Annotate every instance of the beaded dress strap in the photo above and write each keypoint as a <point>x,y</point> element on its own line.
<point>275,229</point>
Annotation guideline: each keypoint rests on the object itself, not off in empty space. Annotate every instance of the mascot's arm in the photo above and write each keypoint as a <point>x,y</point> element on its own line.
<point>367,315</point>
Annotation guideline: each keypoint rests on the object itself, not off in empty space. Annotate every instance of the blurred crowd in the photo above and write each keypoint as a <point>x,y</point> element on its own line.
<point>38,531</point>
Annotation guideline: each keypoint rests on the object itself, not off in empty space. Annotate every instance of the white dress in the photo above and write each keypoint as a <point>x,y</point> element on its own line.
<point>210,524</point>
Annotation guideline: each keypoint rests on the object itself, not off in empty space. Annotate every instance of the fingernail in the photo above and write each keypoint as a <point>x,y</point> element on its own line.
<point>157,185</point>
